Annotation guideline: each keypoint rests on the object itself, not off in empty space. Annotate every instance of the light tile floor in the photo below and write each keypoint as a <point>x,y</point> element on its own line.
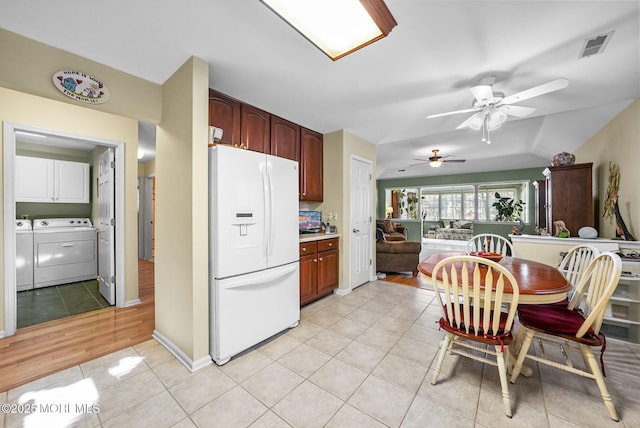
<point>361,360</point>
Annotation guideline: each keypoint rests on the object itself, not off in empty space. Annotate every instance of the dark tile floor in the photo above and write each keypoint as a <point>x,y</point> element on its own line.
<point>50,303</point>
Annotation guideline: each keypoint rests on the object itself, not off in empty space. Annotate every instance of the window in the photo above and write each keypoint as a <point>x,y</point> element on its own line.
<point>472,202</point>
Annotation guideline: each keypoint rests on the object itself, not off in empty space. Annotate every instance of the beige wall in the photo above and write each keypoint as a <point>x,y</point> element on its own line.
<point>181,266</point>
<point>147,169</point>
<point>617,142</point>
<point>21,108</point>
<point>339,146</point>
<point>28,66</point>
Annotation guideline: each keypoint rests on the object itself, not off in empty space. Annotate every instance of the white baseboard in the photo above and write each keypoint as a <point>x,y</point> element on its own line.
<point>132,303</point>
<point>341,292</point>
<point>1,334</point>
<point>191,365</point>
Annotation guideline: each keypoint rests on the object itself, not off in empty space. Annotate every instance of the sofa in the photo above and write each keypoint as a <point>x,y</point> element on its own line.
<point>391,231</point>
<point>396,256</point>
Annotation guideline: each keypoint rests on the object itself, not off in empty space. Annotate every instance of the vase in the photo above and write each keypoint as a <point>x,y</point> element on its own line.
<point>563,159</point>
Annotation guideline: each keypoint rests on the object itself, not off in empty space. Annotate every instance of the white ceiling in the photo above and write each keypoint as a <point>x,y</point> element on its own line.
<point>383,92</point>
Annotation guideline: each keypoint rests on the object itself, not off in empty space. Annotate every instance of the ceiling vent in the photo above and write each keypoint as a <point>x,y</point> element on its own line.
<point>595,45</point>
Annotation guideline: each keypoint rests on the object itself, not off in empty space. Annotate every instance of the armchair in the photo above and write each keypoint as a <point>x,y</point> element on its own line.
<point>391,231</point>
<point>397,256</point>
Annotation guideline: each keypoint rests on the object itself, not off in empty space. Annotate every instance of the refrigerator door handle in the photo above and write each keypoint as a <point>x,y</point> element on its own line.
<point>271,217</point>
<point>265,279</point>
<point>268,214</point>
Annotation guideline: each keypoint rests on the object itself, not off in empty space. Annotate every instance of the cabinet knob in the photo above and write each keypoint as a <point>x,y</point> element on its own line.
<point>331,244</point>
<point>320,258</point>
<point>315,260</point>
<point>304,249</point>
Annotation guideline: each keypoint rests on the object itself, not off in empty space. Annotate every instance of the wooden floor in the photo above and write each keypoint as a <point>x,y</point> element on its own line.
<point>42,349</point>
<point>407,279</point>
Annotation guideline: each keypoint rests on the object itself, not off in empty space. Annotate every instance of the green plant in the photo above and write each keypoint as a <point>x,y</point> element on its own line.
<point>508,208</point>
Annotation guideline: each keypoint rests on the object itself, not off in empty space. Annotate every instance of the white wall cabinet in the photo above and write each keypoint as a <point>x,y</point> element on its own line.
<point>49,180</point>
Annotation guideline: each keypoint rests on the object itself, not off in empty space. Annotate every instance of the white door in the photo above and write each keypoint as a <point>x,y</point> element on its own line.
<point>283,228</point>
<point>106,228</point>
<point>360,222</point>
<point>237,184</point>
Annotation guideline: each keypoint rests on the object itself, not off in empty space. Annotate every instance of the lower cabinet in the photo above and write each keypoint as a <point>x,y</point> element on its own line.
<point>318,269</point>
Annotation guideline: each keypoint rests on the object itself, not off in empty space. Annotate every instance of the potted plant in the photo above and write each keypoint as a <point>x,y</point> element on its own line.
<point>508,208</point>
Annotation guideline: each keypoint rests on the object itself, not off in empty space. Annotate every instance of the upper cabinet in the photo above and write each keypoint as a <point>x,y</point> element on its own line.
<point>311,165</point>
<point>285,139</point>
<point>224,113</point>
<point>251,128</point>
<point>48,180</point>
<point>255,133</point>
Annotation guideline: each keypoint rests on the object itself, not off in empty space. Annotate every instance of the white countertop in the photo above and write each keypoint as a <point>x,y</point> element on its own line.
<point>575,241</point>
<point>310,237</point>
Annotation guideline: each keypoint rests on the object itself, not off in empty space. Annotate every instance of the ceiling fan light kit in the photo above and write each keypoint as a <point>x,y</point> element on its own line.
<point>493,108</point>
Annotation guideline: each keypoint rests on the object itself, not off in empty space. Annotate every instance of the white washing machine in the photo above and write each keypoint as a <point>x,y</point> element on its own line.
<point>65,250</point>
<point>24,255</point>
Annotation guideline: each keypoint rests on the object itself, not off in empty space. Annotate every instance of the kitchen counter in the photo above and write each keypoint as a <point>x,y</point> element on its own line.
<point>310,237</point>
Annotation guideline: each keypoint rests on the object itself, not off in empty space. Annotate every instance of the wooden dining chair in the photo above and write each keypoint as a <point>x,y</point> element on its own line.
<point>492,243</point>
<point>575,262</point>
<point>472,291</point>
<point>575,327</point>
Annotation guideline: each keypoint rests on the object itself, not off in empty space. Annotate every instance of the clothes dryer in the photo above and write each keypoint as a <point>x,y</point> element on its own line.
<point>24,255</point>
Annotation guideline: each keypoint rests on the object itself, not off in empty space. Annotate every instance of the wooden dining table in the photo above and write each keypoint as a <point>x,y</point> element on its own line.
<point>538,283</point>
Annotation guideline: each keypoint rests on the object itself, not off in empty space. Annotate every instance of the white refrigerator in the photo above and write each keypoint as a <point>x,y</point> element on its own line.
<point>254,280</point>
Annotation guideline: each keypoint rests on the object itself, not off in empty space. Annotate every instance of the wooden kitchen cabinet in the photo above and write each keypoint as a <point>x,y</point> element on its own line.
<point>224,113</point>
<point>311,165</point>
<point>285,138</point>
<point>569,197</point>
<point>255,129</point>
<point>319,269</point>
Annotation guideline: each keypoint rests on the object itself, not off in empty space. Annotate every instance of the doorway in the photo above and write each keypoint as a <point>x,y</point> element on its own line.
<point>360,221</point>
<point>52,138</point>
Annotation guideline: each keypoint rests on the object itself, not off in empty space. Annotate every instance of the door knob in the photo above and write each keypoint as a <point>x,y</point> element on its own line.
<point>356,231</point>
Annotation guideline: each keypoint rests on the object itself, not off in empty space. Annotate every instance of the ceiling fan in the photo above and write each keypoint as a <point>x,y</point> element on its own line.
<point>436,161</point>
<point>492,108</point>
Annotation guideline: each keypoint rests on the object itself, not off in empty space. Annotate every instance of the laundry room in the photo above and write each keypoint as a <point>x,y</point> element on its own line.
<point>57,223</point>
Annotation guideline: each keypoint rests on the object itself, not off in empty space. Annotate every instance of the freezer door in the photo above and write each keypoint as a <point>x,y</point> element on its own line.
<point>237,182</point>
<point>283,228</point>
<point>248,309</point>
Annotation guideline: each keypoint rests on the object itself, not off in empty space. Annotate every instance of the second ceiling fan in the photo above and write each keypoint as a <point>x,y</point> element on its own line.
<point>492,108</point>
<point>436,161</point>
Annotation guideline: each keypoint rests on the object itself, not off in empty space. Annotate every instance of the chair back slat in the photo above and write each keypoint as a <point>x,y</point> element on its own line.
<point>597,285</point>
<point>575,262</point>
<point>471,292</point>
<point>491,243</point>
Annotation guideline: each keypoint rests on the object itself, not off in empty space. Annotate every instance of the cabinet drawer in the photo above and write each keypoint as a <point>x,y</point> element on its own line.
<point>308,248</point>
<point>328,244</point>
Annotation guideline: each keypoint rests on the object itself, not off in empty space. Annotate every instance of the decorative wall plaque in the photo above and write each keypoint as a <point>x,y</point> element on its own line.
<point>81,87</point>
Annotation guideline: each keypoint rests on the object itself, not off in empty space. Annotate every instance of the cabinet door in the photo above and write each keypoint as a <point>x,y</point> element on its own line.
<point>571,196</point>
<point>224,113</point>
<point>310,166</point>
<point>71,183</point>
<point>327,271</point>
<point>285,139</point>
<point>308,278</point>
<point>34,179</point>
<point>255,133</point>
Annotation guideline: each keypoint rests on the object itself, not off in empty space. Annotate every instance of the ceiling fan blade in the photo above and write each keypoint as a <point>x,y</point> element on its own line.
<point>469,120</point>
<point>468,110</point>
<point>482,92</point>
<point>517,111</point>
<point>454,160</point>
<point>545,88</point>
<point>418,164</point>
